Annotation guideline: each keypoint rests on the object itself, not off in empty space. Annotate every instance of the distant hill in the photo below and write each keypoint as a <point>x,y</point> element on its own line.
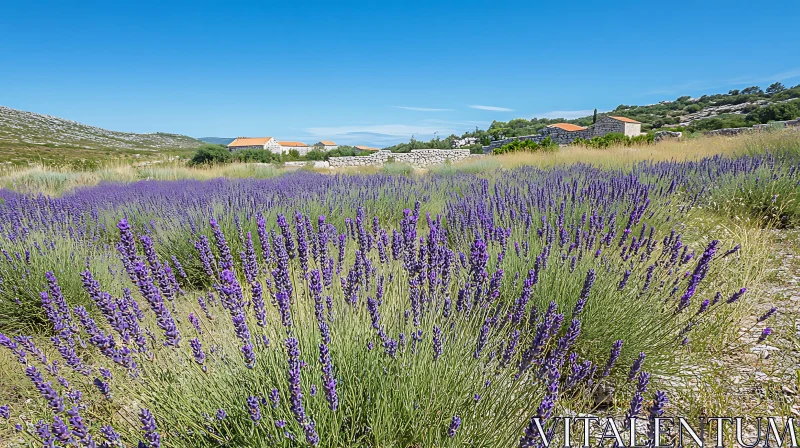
<point>217,140</point>
<point>30,137</point>
<point>737,108</point>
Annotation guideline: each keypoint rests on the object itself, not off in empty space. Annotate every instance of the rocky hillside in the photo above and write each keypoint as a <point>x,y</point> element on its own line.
<point>27,129</point>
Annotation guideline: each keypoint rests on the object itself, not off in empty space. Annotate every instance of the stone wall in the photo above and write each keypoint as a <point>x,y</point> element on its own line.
<point>605,126</point>
<point>756,128</point>
<point>563,137</point>
<point>417,157</point>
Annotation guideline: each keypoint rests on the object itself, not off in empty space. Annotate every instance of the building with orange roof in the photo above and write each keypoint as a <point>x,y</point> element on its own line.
<point>366,148</point>
<point>325,145</point>
<point>615,124</point>
<point>254,143</point>
<point>300,147</point>
<point>566,133</point>
<point>567,127</point>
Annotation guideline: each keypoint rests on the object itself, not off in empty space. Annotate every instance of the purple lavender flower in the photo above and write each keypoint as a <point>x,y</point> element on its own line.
<point>295,392</point>
<point>654,411</point>
<point>616,349</point>
<point>698,274</point>
<point>4,412</point>
<point>153,297</point>
<point>151,434</point>
<point>737,295</point>
<point>638,396</point>
<point>636,366</point>
<point>328,380</point>
<point>703,306</point>
<point>587,287</point>
<point>197,351</point>
<point>483,337</point>
<point>79,429</point>
<point>437,342</point>
<point>732,251</point>
<point>226,259</point>
<point>61,431</point>
<point>46,389</point>
<point>510,349</point>
<point>768,314</point>
<point>43,431</point>
<point>286,232</point>
<point>254,408</point>
<point>624,280</point>
<point>765,334</point>
<point>111,436</point>
<point>221,414</point>
<point>455,424</point>
<point>103,387</point>
<point>544,410</point>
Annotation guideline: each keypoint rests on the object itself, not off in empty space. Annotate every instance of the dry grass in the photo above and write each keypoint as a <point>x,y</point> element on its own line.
<point>56,181</point>
<point>685,149</point>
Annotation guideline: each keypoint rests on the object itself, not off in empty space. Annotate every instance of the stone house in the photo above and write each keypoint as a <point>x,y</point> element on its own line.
<point>300,147</point>
<point>564,133</point>
<point>611,124</point>
<point>325,145</point>
<point>254,143</point>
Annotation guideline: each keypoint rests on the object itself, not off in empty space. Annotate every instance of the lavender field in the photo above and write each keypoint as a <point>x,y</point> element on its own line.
<point>441,309</point>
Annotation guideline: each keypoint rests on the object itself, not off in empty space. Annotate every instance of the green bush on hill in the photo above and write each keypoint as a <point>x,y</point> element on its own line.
<point>527,146</point>
<point>615,139</point>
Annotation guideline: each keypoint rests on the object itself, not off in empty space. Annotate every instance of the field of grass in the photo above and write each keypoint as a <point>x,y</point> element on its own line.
<point>246,305</point>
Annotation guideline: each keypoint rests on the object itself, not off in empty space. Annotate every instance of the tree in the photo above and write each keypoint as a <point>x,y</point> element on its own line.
<point>210,154</point>
<point>733,92</point>
<point>775,88</point>
<point>776,112</point>
<point>594,117</point>
<point>752,90</point>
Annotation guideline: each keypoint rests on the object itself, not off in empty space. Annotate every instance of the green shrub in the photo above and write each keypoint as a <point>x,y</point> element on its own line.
<point>316,154</point>
<point>527,145</point>
<point>615,139</point>
<point>210,154</point>
<point>256,155</point>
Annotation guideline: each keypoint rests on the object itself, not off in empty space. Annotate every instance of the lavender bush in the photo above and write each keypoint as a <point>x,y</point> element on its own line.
<point>363,310</point>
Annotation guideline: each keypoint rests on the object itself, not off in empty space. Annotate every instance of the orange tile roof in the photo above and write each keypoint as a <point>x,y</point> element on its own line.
<point>292,144</point>
<point>366,148</point>
<point>624,119</point>
<point>250,141</point>
<point>327,143</point>
<point>567,127</point>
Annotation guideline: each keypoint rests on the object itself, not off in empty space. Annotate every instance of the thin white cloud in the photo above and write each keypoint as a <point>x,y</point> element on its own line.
<point>379,135</point>
<point>466,123</point>
<point>385,129</point>
<point>422,109</point>
<point>568,114</point>
<point>491,108</point>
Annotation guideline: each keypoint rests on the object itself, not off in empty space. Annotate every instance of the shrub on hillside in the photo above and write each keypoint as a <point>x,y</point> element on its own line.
<point>527,145</point>
<point>615,139</point>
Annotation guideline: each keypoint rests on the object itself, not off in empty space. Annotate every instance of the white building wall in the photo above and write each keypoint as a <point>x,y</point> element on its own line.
<point>302,150</point>
<point>273,146</point>
<point>633,129</point>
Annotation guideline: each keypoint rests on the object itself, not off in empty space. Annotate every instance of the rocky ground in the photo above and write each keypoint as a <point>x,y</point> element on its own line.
<point>765,376</point>
<point>28,128</point>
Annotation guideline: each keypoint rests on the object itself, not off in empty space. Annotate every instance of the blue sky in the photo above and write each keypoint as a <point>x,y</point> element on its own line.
<point>377,72</point>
